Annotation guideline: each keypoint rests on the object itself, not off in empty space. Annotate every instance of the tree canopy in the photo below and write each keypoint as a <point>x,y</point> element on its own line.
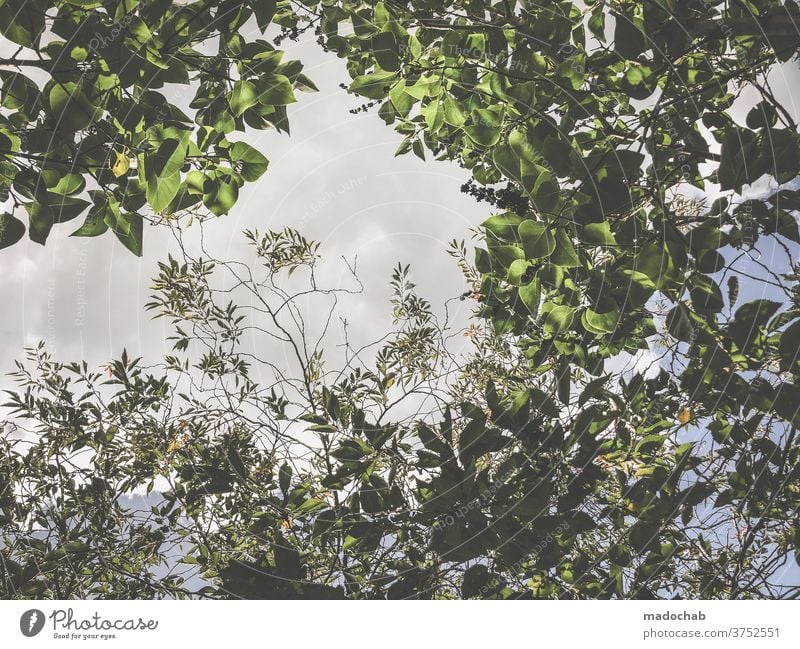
<point>118,111</point>
<point>532,467</point>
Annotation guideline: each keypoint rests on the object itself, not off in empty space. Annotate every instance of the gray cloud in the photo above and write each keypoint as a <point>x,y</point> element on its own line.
<point>335,178</point>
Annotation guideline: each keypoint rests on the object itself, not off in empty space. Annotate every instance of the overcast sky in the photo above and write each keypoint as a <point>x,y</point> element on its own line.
<point>335,178</point>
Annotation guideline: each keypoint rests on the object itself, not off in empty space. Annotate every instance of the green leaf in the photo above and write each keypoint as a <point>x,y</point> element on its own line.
<point>252,164</point>
<point>507,162</point>
<point>600,322</point>
<point>484,127</point>
<point>655,262</point>
<point>649,443</point>
<point>558,319</point>
<point>530,294</point>
<point>710,262</point>
<point>310,505</point>
<point>401,100</point>
<point>564,254</point>
<point>748,321</point>
<point>504,256</point>
<point>22,21</point>
<point>434,115</point>
<point>706,236</point>
<point>503,226</point>
<point>161,191</point>
<point>453,114</point>
<point>40,222</point>
<point>385,50</point>
<point>243,96</point>
<point>629,40</point>
<point>789,346</point>
<point>76,547</point>
<point>375,85</point>
<point>129,231</point>
<point>285,477</point>
<point>706,295</point>
<point>64,208</point>
<point>598,234</point>
<point>70,108</point>
<point>288,564</point>
<point>597,23</point>
<point>563,380</point>
<point>71,183</point>
<point>733,290</point>
<point>679,324</point>
<point>51,209</point>
<point>98,218</point>
<point>543,403</point>
<point>11,230</point>
<point>476,577</point>
<point>222,195</point>
<point>592,389</point>
<point>537,240</point>
<point>275,90</point>
<point>787,403</point>
<point>740,162</point>
<point>237,464</point>
<point>18,92</point>
<point>168,160</point>
<point>477,439</point>
<point>516,271</point>
<point>94,225</point>
<point>264,11</point>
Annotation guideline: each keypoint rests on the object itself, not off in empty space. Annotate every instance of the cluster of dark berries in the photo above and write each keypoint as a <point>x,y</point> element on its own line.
<point>363,108</point>
<point>292,33</point>
<point>506,198</point>
<point>321,40</point>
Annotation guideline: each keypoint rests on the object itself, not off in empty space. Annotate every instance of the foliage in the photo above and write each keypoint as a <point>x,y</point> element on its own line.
<point>532,466</point>
<point>599,120</point>
<point>312,483</point>
<point>91,125</point>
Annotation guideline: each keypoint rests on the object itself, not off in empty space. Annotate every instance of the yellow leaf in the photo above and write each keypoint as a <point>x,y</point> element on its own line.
<point>684,415</point>
<point>121,166</point>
